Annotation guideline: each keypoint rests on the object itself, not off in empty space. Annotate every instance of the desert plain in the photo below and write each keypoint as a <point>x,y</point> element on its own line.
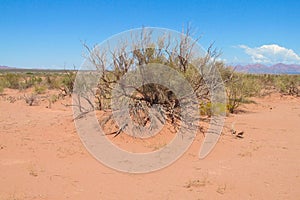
<point>42,156</point>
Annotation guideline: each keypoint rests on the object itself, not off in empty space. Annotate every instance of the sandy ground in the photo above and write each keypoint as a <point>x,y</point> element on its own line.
<point>42,157</point>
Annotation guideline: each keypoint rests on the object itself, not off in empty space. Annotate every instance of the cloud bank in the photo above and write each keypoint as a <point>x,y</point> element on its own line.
<point>271,54</point>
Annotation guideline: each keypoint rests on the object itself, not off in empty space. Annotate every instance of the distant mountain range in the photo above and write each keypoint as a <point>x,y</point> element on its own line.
<point>6,67</point>
<point>17,69</point>
<point>279,68</point>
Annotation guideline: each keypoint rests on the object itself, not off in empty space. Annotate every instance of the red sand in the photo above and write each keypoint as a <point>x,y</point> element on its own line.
<point>42,157</point>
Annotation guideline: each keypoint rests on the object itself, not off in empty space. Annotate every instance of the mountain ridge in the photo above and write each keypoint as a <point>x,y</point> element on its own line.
<point>6,67</point>
<point>278,68</point>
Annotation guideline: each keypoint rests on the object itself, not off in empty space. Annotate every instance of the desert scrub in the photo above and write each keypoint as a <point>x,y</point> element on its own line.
<point>29,80</point>
<point>12,80</point>
<point>67,82</point>
<point>236,92</point>
<point>252,85</point>
<point>205,108</point>
<point>209,108</point>
<point>52,81</point>
<point>39,89</point>
<point>288,84</point>
<point>53,98</point>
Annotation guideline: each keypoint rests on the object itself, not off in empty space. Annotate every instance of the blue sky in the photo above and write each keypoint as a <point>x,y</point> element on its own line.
<point>48,34</point>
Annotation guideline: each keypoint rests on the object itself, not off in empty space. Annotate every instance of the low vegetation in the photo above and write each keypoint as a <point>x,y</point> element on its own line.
<point>38,81</point>
<point>240,87</point>
<point>35,85</point>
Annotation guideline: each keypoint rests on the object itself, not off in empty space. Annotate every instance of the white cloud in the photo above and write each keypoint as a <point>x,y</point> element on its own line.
<point>271,54</point>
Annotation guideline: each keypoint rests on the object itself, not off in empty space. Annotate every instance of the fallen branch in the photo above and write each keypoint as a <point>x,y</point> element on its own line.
<point>116,133</point>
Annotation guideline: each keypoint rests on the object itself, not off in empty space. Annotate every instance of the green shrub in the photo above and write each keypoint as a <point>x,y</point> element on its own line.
<point>12,80</point>
<point>210,108</point>
<point>67,82</point>
<point>39,89</point>
<point>205,109</point>
<point>52,81</point>
<point>53,98</point>
<point>238,88</point>
<point>251,85</point>
<point>235,95</point>
<point>288,84</point>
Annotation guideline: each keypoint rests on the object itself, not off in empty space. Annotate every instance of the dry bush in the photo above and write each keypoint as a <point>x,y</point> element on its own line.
<point>31,99</point>
<point>39,89</point>
<point>199,71</point>
<point>66,84</point>
<point>288,84</point>
<point>52,81</point>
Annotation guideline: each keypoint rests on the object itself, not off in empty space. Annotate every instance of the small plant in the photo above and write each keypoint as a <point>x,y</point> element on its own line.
<point>239,87</point>
<point>205,109</point>
<point>11,99</point>
<point>39,89</point>
<point>30,100</point>
<point>32,170</point>
<point>234,91</point>
<point>293,89</point>
<point>197,183</point>
<point>221,189</point>
<point>52,82</point>
<point>67,82</point>
<point>51,100</point>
